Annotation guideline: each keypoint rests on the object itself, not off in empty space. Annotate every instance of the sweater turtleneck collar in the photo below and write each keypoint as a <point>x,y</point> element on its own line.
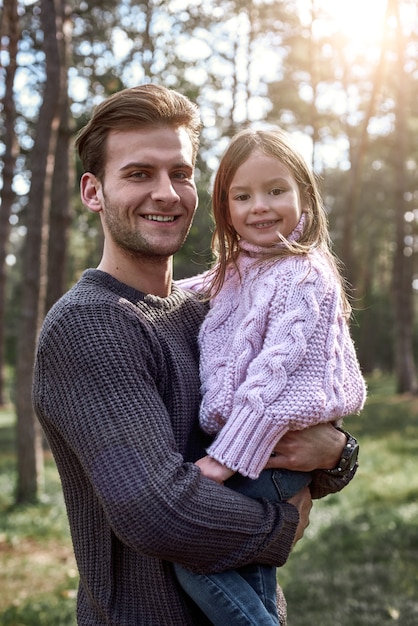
<point>254,250</point>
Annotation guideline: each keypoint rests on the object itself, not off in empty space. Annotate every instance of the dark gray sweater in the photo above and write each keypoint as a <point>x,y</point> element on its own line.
<point>116,390</point>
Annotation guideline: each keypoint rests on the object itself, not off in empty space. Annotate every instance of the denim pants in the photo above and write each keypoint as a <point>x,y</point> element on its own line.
<point>245,596</point>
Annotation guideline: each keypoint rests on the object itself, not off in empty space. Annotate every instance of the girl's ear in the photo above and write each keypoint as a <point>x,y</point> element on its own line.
<point>91,192</point>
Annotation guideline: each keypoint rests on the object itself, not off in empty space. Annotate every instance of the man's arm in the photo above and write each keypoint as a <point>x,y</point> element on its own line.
<point>302,500</point>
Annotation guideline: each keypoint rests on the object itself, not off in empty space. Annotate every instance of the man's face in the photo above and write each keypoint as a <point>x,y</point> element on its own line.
<point>148,196</point>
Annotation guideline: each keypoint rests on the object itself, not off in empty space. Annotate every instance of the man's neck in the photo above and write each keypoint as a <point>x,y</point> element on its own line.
<point>153,276</point>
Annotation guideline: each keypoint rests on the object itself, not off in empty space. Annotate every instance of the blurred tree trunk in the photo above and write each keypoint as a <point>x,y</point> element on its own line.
<point>357,155</point>
<point>314,80</point>
<point>9,31</point>
<point>62,181</point>
<point>29,440</point>
<point>403,259</point>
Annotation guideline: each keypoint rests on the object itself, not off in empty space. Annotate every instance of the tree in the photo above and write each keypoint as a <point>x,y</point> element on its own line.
<point>358,150</point>
<point>9,30</point>
<point>63,177</point>
<point>29,441</point>
<point>403,260</point>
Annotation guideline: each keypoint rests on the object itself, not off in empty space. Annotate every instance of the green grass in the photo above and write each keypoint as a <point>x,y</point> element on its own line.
<point>38,576</point>
<point>358,562</point>
<point>356,566</point>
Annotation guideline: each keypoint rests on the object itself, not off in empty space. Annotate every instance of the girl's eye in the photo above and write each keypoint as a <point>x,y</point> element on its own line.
<point>276,192</point>
<point>241,197</point>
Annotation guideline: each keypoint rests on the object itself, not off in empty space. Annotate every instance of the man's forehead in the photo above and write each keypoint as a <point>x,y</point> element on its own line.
<point>150,143</point>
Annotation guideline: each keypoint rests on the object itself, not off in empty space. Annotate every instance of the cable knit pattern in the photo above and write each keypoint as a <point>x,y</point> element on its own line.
<point>276,355</point>
<point>116,388</point>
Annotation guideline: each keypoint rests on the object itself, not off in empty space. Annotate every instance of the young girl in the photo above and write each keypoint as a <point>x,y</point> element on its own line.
<point>276,351</point>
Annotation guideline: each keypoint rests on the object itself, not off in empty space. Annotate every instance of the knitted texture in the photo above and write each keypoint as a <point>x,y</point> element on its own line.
<point>116,389</point>
<point>276,355</point>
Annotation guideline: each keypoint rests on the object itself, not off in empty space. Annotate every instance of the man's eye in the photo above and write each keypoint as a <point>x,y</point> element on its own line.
<point>138,175</point>
<point>180,175</point>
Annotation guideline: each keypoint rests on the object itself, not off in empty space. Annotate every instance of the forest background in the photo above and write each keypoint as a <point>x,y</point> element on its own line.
<point>340,75</point>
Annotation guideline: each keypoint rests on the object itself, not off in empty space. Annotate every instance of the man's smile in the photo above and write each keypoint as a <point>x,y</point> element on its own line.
<point>160,218</point>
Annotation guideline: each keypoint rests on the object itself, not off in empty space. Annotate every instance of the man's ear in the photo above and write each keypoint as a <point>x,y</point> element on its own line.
<point>91,192</point>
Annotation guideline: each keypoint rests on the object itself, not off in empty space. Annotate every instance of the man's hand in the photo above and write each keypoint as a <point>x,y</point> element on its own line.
<point>303,502</point>
<point>214,470</point>
<point>318,447</point>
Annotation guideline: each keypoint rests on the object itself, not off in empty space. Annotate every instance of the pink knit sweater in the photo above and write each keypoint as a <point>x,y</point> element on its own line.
<point>276,355</point>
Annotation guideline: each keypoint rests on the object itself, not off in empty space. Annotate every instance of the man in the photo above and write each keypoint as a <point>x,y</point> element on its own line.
<point>116,387</point>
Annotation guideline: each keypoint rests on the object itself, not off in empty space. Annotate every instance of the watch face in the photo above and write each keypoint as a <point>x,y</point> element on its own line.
<point>349,456</point>
<point>354,456</point>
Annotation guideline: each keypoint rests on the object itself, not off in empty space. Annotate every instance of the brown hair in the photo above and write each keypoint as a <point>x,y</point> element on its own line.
<point>143,106</point>
<point>225,241</point>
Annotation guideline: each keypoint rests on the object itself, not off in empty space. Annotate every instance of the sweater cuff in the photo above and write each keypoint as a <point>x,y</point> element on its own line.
<point>277,552</point>
<point>246,448</point>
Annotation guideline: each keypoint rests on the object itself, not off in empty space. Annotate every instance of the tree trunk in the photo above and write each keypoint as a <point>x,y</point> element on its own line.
<point>62,182</point>
<point>10,29</point>
<point>403,259</point>
<point>354,178</point>
<point>314,80</point>
<point>29,440</point>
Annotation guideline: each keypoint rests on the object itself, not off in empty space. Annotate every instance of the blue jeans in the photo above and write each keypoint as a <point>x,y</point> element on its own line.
<point>245,596</point>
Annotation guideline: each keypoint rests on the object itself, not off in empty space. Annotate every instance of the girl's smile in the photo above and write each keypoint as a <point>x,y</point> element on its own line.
<point>264,200</point>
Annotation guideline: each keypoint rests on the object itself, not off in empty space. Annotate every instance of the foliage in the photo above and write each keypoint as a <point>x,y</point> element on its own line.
<point>356,566</point>
<point>244,63</point>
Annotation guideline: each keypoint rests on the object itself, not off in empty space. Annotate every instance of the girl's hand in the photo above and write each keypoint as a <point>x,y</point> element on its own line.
<point>214,470</point>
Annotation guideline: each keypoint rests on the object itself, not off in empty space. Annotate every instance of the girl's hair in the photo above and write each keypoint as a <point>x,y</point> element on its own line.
<point>225,240</point>
<point>144,106</point>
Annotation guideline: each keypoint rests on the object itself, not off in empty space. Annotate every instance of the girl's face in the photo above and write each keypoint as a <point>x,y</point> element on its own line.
<point>264,200</point>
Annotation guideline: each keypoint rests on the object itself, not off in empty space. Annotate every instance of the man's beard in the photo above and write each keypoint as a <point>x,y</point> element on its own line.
<point>133,243</point>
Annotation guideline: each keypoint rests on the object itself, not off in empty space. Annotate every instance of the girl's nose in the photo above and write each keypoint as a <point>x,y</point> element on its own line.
<point>259,205</point>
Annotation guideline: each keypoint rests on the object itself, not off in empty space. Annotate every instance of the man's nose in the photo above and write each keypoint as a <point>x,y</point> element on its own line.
<point>164,190</point>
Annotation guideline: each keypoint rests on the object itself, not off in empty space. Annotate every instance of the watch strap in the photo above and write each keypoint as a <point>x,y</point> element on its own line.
<point>349,455</point>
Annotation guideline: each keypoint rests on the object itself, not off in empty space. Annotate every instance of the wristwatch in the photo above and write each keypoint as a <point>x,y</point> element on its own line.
<point>349,456</point>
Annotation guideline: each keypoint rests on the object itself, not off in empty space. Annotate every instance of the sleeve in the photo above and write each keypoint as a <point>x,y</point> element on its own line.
<point>196,283</point>
<point>323,483</point>
<point>306,373</point>
<point>108,416</point>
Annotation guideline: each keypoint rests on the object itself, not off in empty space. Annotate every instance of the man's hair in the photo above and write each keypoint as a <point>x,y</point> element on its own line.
<point>144,106</point>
